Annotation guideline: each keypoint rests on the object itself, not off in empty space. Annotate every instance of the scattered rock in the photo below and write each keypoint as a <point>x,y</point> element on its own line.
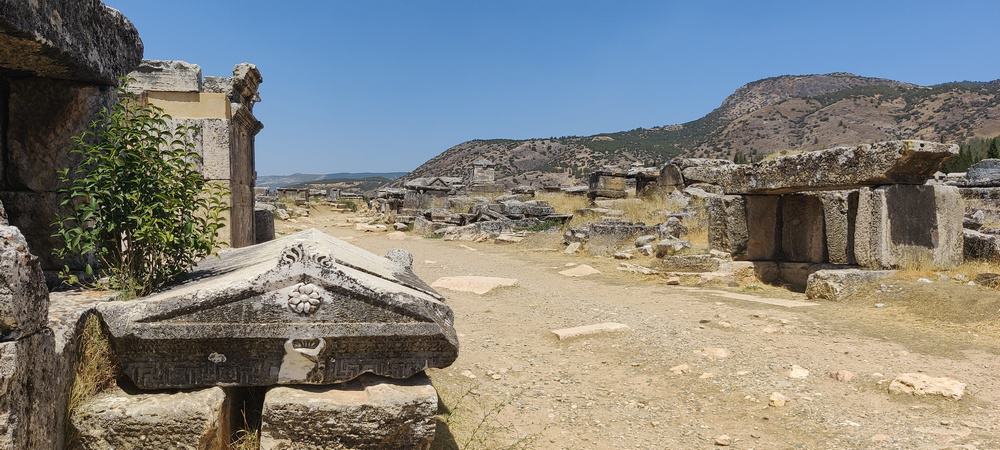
<point>572,248</point>
<point>645,240</point>
<point>370,228</point>
<point>714,352</point>
<point>474,284</point>
<point>680,369</point>
<point>396,236</point>
<point>723,440</point>
<point>582,270</point>
<point>920,384</point>
<point>673,281</point>
<point>777,400</point>
<point>798,372</point>
<point>844,376</point>
<point>589,330</point>
<point>635,268</point>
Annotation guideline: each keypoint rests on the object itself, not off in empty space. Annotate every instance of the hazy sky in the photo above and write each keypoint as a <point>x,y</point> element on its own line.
<point>369,85</point>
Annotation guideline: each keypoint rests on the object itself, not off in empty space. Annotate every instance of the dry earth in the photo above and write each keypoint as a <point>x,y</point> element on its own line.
<point>515,385</point>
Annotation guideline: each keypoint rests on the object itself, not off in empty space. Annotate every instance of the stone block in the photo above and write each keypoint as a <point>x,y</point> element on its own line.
<point>303,309</point>
<point>763,227</point>
<point>882,163</point>
<point>84,41</point>
<point>33,213</point>
<point>3,215</point>
<point>840,210</point>
<point>670,176</point>
<point>836,285</point>
<point>985,173</point>
<point>589,330</point>
<point>796,274</point>
<point>368,413</point>
<point>727,224</point>
<point>166,76</point>
<point>907,225</point>
<point>981,246</point>
<point>28,407</point>
<point>116,419</point>
<point>44,115</point>
<point>692,263</point>
<point>802,229</point>
<point>24,299</point>
<point>263,225</point>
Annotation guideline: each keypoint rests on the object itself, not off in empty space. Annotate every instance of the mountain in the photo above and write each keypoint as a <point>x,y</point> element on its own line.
<point>801,112</point>
<point>330,178</point>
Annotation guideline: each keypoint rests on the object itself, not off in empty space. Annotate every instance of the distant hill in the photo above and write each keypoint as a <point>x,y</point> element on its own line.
<point>807,112</point>
<point>277,181</point>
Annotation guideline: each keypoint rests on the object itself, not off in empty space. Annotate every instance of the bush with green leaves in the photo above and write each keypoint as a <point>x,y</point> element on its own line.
<point>137,210</point>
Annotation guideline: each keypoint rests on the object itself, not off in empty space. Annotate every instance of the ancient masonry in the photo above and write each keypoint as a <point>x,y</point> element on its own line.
<point>221,109</point>
<point>867,206</point>
<point>307,329</point>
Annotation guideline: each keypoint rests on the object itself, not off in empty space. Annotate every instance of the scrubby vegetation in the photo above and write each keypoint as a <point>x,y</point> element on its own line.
<point>139,212</point>
<point>973,151</point>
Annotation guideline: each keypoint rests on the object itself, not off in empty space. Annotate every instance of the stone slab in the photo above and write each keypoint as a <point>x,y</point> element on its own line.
<point>980,246</point>
<point>881,163</point>
<point>79,40</point>
<point>727,224</point>
<point>840,210</point>
<point>802,231</point>
<point>764,300</point>
<point>303,309</point>
<point>985,173</point>
<point>24,299</point>
<point>580,271</point>
<point>474,284</point>
<point>117,419</point>
<point>904,225</point>
<point>263,225</point>
<point>368,413</point>
<point>837,285</point>
<point>589,330</point>
<point>28,404</point>
<point>763,227</point>
<point>166,76</point>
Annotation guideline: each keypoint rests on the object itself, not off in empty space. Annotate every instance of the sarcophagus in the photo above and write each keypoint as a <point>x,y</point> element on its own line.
<point>303,309</point>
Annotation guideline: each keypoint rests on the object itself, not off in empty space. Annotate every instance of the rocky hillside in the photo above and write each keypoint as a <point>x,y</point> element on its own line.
<point>807,112</point>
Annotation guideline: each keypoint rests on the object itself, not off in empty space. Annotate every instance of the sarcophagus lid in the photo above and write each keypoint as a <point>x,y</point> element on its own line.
<point>303,309</point>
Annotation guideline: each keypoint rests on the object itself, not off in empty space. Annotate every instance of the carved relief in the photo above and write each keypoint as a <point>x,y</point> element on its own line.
<point>305,298</point>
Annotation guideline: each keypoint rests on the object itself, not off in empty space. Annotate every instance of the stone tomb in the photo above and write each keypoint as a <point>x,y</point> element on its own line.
<point>303,309</point>
<point>804,223</point>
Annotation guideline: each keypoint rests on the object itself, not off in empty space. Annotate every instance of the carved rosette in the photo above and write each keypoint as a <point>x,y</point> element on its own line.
<point>305,298</point>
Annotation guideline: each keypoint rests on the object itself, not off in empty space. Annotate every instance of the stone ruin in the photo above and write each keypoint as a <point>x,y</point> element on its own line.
<point>222,110</point>
<point>615,183</point>
<point>867,207</point>
<point>482,177</point>
<point>980,188</point>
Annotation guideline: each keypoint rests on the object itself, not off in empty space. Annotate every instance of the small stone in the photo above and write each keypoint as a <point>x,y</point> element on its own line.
<point>777,400</point>
<point>680,369</point>
<point>844,376</point>
<point>706,376</point>
<point>798,372</point>
<point>924,280</point>
<point>474,284</point>
<point>589,330</point>
<point>714,352</point>
<point>582,270</point>
<point>920,384</point>
<point>468,374</point>
<point>723,440</point>
<point>572,248</point>
<point>673,281</point>
<point>623,255</point>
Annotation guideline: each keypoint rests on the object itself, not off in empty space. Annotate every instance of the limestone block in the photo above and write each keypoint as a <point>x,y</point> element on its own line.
<point>796,274</point>
<point>983,173</point>
<point>84,41</point>
<point>116,419</point>
<point>263,225</point>
<point>692,263</point>
<point>837,285</point>
<point>670,175</point>
<point>27,409</point>
<point>802,229</point>
<point>33,213</point>
<point>880,163</point>
<point>590,330</point>
<point>369,413</point>
<point>840,210</point>
<point>981,245</point>
<point>478,285</point>
<point>684,163</point>
<point>216,151</point>
<point>727,224</point>
<point>903,225</point>
<point>24,299</point>
<point>763,227</point>
<point>920,384</point>
<point>44,116</point>
<point>166,76</point>
<point>3,215</point>
<point>303,309</point>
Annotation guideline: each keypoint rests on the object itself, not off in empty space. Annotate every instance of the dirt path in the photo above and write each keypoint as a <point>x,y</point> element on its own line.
<point>515,385</point>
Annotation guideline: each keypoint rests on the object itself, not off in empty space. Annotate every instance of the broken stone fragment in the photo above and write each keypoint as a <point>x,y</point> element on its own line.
<point>921,384</point>
<point>368,413</point>
<point>589,330</point>
<point>303,309</point>
<point>670,246</point>
<point>692,263</point>
<point>582,270</point>
<point>166,76</point>
<point>839,284</point>
<point>474,284</point>
<point>24,299</point>
<point>188,419</point>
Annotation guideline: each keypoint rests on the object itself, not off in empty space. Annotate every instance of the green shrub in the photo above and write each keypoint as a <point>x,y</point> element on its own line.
<point>138,210</point>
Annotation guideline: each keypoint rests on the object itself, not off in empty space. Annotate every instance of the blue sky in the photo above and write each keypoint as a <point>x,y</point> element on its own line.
<point>379,85</point>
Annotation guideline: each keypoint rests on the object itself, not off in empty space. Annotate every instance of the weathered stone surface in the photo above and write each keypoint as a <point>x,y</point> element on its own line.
<point>684,163</point>
<point>80,40</point>
<point>981,245</point>
<point>116,419</point>
<point>796,274</point>
<point>24,299</point>
<point>3,215</point>
<point>303,309</point>
<point>670,176</point>
<point>840,209</point>
<point>692,263</point>
<point>166,76</point>
<point>589,330</point>
<point>727,224</point>
<point>763,227</point>
<point>984,173</point>
<point>670,247</point>
<point>836,285</point>
<point>263,225</point>
<point>909,225</point>
<point>580,271</point>
<point>368,413</point>
<point>474,284</point>
<point>802,229</point>
<point>921,384</point>
<point>881,163</point>
<point>27,404</point>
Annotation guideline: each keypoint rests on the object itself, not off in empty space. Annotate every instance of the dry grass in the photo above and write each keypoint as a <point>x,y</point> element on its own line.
<point>96,368</point>
<point>563,203</point>
<point>246,438</point>
<point>476,423</point>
